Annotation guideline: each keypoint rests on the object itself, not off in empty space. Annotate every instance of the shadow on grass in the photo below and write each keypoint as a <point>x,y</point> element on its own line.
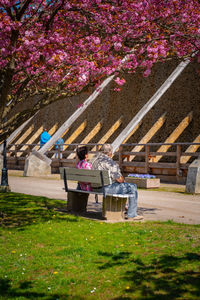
<point>19,210</point>
<point>162,278</point>
<point>24,291</point>
<point>114,259</point>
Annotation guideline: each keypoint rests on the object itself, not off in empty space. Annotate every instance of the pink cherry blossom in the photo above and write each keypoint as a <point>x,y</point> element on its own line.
<point>120,81</point>
<point>50,50</point>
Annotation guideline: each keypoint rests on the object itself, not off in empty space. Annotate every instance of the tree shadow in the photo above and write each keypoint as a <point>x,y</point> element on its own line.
<point>162,278</point>
<point>19,210</point>
<point>93,215</point>
<point>118,258</point>
<point>147,210</point>
<point>24,290</point>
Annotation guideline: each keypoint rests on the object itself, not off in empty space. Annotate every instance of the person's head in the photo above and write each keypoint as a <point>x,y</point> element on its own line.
<point>44,129</point>
<point>82,152</point>
<point>107,149</point>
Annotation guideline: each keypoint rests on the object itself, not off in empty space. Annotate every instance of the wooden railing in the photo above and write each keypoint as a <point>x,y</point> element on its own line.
<point>16,152</point>
<point>149,164</point>
<point>150,160</point>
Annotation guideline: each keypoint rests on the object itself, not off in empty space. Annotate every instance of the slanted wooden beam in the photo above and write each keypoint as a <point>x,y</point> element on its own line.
<point>109,133</point>
<point>147,107</point>
<point>132,132</point>
<point>75,134</point>
<point>32,140</point>
<point>174,135</point>
<point>152,131</point>
<point>16,133</point>
<point>191,148</point>
<point>92,133</point>
<point>36,135</point>
<point>53,129</point>
<point>88,138</point>
<point>23,136</point>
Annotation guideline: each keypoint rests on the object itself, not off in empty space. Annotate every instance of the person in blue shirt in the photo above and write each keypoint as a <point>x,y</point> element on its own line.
<point>45,137</point>
<point>60,143</point>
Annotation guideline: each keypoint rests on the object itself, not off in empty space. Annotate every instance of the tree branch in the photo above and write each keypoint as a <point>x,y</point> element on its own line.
<point>23,9</point>
<point>50,21</point>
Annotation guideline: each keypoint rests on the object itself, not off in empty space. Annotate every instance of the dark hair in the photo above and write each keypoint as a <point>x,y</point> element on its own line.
<point>81,152</point>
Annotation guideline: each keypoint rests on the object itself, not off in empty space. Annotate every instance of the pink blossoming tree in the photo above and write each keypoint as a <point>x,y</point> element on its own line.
<point>53,49</point>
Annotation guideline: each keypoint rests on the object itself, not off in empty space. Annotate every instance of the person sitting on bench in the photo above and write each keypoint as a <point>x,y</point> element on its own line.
<point>104,161</point>
<point>82,154</point>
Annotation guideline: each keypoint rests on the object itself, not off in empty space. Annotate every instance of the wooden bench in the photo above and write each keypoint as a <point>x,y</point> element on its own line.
<point>113,204</point>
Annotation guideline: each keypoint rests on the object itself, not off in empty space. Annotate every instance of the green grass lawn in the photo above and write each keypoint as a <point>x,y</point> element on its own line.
<point>48,254</point>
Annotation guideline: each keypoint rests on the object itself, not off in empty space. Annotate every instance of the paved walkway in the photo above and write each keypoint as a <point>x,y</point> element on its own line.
<point>153,205</point>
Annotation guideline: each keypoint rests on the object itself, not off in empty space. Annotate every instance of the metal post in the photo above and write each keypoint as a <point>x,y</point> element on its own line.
<point>4,172</point>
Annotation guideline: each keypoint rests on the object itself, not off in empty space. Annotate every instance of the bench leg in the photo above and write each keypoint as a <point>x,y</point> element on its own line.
<point>77,202</point>
<point>113,208</point>
<point>69,201</point>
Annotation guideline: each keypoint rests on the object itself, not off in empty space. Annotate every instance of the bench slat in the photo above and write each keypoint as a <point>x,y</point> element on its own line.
<point>82,178</point>
<point>98,193</point>
<point>84,175</point>
<point>82,171</point>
